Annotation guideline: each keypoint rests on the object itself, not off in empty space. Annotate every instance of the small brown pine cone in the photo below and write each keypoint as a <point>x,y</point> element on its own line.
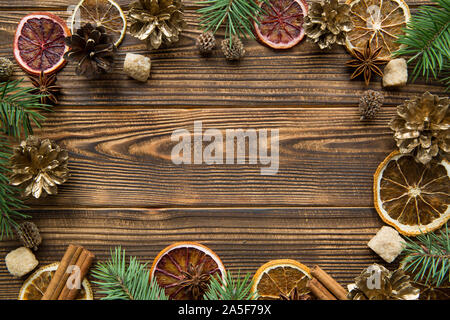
<point>235,51</point>
<point>369,104</point>
<point>29,235</point>
<point>206,42</point>
<point>6,69</point>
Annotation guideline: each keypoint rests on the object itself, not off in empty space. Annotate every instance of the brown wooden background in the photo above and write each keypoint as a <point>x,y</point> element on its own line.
<point>124,189</point>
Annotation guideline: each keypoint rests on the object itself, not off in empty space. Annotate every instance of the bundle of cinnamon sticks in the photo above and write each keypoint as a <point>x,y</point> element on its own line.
<point>66,282</point>
<point>324,287</point>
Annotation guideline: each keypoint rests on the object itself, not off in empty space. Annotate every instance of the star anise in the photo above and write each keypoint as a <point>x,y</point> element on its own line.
<point>295,295</point>
<point>366,61</point>
<point>46,87</point>
<point>195,281</point>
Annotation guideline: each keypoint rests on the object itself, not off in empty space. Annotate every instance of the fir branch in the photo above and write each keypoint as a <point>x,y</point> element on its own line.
<point>121,282</point>
<point>230,288</point>
<point>236,15</point>
<point>428,258</point>
<point>9,201</point>
<point>427,40</point>
<point>19,108</point>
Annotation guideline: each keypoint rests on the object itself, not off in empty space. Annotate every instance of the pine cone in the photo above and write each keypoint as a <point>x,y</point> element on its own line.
<point>206,42</point>
<point>370,103</point>
<point>422,126</point>
<point>29,235</point>
<point>158,22</point>
<point>38,166</point>
<point>92,49</point>
<point>378,283</point>
<point>327,23</point>
<point>6,69</point>
<point>234,52</point>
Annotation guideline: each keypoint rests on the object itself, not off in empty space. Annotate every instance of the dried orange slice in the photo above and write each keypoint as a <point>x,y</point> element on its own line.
<point>106,13</point>
<point>35,286</point>
<point>39,43</point>
<point>184,270</point>
<point>280,280</point>
<point>412,197</point>
<point>380,22</point>
<point>280,25</point>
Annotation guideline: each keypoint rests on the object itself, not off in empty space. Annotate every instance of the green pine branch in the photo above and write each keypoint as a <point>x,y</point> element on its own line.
<point>427,41</point>
<point>120,281</point>
<point>19,108</point>
<point>236,15</point>
<point>9,201</point>
<point>230,288</point>
<point>428,258</point>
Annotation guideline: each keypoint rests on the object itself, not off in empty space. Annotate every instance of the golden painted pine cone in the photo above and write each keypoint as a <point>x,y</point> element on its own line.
<point>38,167</point>
<point>378,283</point>
<point>327,23</point>
<point>422,127</point>
<point>157,22</point>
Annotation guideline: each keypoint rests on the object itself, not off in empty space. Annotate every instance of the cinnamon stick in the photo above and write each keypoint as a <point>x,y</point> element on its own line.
<point>332,285</point>
<point>319,290</point>
<point>84,262</point>
<point>56,284</point>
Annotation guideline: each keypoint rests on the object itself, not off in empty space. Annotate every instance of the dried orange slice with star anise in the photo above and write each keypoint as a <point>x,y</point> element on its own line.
<point>184,270</point>
<point>378,21</point>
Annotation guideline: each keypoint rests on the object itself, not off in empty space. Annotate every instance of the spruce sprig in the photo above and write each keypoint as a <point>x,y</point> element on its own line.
<point>428,258</point>
<point>9,202</point>
<point>121,282</point>
<point>19,108</point>
<point>427,41</point>
<point>230,288</point>
<point>236,15</point>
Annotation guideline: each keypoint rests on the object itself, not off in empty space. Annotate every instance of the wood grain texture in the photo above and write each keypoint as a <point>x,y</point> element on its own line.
<point>123,158</point>
<point>244,238</point>
<point>125,190</point>
<point>180,77</point>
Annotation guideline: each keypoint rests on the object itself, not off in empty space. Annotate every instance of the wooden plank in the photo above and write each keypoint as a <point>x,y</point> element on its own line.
<point>180,77</point>
<point>243,238</point>
<point>123,158</point>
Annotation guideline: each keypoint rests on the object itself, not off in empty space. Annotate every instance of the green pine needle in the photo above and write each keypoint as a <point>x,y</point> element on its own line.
<point>231,288</point>
<point>9,202</point>
<point>428,258</point>
<point>121,282</point>
<point>427,41</point>
<point>19,108</point>
<point>236,15</point>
